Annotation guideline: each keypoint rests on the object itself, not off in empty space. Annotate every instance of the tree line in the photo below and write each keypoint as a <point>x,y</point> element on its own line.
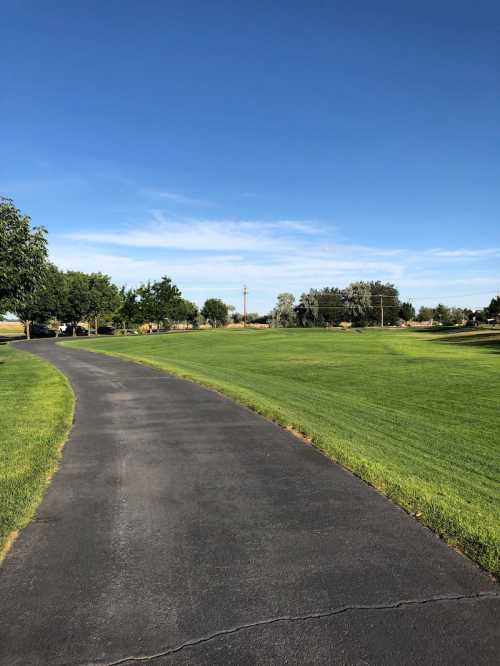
<point>370,303</point>
<point>37,291</point>
<point>451,316</point>
<point>360,304</point>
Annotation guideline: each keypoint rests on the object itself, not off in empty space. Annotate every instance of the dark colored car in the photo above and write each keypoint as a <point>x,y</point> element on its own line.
<point>79,330</point>
<point>106,330</point>
<point>41,331</point>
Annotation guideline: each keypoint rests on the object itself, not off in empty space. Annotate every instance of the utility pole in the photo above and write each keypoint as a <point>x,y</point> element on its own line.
<point>381,311</point>
<point>245,292</point>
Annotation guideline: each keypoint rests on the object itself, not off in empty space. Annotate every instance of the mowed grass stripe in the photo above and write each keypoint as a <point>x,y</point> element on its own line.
<point>409,412</point>
<point>35,417</point>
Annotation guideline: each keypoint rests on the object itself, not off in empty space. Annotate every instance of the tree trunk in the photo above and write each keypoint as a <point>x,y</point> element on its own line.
<point>95,322</point>
<point>28,335</point>
<point>73,333</point>
<point>158,328</point>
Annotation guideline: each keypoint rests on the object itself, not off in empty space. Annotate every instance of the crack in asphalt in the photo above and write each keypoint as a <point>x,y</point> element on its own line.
<point>296,618</point>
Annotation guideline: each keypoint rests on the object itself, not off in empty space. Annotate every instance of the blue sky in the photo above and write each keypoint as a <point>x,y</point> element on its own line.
<point>284,145</point>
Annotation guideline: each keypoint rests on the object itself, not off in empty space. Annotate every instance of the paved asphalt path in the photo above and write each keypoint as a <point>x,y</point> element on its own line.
<point>182,528</point>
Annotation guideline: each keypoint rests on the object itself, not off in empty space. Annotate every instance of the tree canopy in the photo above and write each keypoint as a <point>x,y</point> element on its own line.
<point>103,296</point>
<point>23,255</point>
<point>78,298</point>
<point>284,312</point>
<point>493,308</point>
<point>425,313</point>
<point>158,301</point>
<point>358,302</point>
<point>215,312</point>
<point>386,296</point>
<point>45,302</point>
<point>407,312</point>
<point>127,311</point>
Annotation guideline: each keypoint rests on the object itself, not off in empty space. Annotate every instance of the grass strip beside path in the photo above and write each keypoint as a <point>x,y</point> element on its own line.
<point>36,412</point>
<point>414,414</point>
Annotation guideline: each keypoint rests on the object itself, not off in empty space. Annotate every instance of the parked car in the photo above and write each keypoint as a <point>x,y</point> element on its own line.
<point>41,331</point>
<point>68,331</point>
<point>106,330</point>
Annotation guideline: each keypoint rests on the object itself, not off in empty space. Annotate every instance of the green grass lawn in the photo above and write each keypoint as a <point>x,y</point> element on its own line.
<point>415,414</point>
<point>35,416</point>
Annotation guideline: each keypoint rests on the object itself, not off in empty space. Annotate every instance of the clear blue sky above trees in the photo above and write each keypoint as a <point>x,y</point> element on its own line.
<point>286,145</point>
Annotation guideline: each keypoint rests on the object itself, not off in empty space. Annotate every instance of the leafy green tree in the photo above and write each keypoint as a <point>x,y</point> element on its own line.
<point>30,308</point>
<point>167,297</point>
<point>407,312</point>
<point>441,313</point>
<point>387,295</point>
<point>158,301</point>
<point>482,316</point>
<point>78,301</point>
<point>358,302</point>
<point>493,308</point>
<point>307,310</point>
<point>103,297</point>
<point>186,312</point>
<point>45,302</point>
<point>468,313</point>
<point>476,317</point>
<point>237,317</point>
<point>284,314</point>
<point>215,312</point>
<point>56,288</point>
<point>425,313</point>
<point>146,302</point>
<point>473,317</point>
<point>127,311</point>
<point>191,313</point>
<point>456,316</point>
<point>23,255</point>
<point>331,306</point>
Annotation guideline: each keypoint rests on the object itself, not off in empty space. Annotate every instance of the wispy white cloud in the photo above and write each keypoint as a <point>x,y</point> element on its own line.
<point>175,197</point>
<point>460,254</point>
<point>122,267</point>
<point>184,200</point>
<point>203,235</point>
<point>206,257</point>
